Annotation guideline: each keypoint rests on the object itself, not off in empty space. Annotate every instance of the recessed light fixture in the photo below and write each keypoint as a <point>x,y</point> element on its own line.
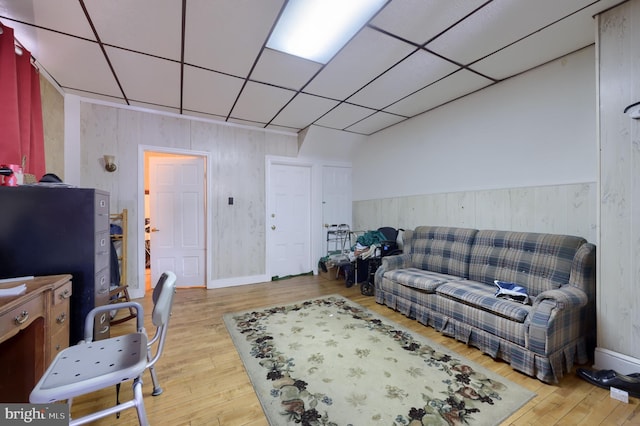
<point>317,29</point>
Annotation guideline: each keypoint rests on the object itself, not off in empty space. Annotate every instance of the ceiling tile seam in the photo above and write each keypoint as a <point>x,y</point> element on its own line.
<point>322,65</point>
<point>381,74</point>
<point>385,127</point>
<point>455,99</point>
<point>255,61</point>
<point>104,51</point>
<point>342,130</point>
<point>420,89</point>
<point>545,63</point>
<point>458,22</point>
<point>360,120</point>
<point>531,34</point>
<point>458,64</point>
<point>182,45</point>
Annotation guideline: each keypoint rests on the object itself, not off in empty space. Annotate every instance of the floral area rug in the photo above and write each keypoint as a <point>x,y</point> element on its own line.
<point>329,361</point>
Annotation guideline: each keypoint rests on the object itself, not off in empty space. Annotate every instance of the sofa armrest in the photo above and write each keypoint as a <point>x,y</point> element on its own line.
<point>566,297</point>
<point>557,319</point>
<point>389,263</point>
<point>399,261</point>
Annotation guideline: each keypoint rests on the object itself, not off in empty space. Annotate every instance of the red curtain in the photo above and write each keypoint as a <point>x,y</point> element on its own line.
<point>21,133</point>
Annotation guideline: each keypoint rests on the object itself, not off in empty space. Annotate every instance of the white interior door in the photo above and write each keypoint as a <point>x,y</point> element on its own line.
<point>177,211</point>
<point>336,198</point>
<point>289,220</point>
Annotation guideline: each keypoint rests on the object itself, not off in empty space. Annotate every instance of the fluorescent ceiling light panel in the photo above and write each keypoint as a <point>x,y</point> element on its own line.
<point>317,29</point>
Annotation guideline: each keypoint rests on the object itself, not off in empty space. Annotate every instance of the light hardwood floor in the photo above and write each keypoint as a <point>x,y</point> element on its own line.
<point>205,383</point>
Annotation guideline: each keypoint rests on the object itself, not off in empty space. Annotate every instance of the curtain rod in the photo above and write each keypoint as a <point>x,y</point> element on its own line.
<point>20,49</point>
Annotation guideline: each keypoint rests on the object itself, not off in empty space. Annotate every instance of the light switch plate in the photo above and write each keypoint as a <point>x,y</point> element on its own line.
<point>620,395</point>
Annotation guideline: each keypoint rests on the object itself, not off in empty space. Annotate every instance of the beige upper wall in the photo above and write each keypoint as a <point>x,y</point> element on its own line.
<point>53,127</point>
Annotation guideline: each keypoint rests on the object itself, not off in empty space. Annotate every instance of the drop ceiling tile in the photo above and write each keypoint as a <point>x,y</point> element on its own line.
<point>150,26</point>
<point>259,102</point>
<point>303,111</point>
<point>284,70</point>
<point>61,15</point>
<point>344,115</point>
<point>227,35</point>
<point>369,54</point>
<point>75,63</point>
<point>141,76</point>
<point>497,25</point>
<point>562,38</point>
<point>375,122</point>
<point>416,72</point>
<point>419,21</point>
<point>442,91</point>
<point>209,92</point>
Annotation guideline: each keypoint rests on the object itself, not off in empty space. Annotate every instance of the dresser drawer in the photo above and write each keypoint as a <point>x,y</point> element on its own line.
<point>58,342</point>
<point>101,212</point>
<point>59,318</point>
<point>102,250</point>
<point>102,286</point>
<point>20,317</point>
<point>62,294</point>
<point>59,329</point>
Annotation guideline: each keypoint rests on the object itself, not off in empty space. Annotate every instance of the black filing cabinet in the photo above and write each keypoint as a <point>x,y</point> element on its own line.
<point>59,230</point>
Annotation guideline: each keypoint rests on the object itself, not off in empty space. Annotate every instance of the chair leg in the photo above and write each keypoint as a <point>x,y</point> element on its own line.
<point>157,390</point>
<point>139,402</point>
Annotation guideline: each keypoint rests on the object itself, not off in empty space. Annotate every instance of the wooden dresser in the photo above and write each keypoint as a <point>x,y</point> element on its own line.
<point>34,327</point>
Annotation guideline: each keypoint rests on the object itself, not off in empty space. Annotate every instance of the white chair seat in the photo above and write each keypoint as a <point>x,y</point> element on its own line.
<point>88,367</point>
<point>93,365</point>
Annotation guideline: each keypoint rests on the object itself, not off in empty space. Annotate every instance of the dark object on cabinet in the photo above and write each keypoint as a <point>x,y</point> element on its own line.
<point>59,230</point>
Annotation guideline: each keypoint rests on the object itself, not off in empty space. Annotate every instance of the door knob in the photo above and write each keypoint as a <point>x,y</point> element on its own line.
<point>273,227</point>
<point>154,229</point>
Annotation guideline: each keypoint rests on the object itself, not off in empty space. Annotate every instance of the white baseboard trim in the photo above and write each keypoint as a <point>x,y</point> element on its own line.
<point>230,282</point>
<point>605,359</point>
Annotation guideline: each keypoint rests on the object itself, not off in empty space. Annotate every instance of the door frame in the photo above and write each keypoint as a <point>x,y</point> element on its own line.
<point>142,149</point>
<point>271,160</point>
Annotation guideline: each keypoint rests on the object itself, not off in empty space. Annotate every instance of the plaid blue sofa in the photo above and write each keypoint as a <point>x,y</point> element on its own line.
<point>445,279</point>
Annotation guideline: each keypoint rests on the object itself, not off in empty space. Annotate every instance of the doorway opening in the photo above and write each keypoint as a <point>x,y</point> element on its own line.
<point>175,217</point>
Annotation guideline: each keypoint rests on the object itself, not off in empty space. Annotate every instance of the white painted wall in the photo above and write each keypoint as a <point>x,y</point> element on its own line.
<point>535,129</point>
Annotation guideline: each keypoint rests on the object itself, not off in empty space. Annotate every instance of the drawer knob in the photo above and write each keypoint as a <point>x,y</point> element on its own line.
<point>61,318</point>
<point>65,294</point>
<point>22,318</point>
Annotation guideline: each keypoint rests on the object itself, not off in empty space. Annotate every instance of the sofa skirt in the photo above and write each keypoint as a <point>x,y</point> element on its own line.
<point>548,368</point>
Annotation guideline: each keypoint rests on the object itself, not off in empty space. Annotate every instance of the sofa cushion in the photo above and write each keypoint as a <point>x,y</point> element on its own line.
<point>537,262</point>
<point>418,278</point>
<point>483,297</point>
<point>442,249</point>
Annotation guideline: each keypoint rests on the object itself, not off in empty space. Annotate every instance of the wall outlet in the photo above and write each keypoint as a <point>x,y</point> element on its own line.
<point>620,395</point>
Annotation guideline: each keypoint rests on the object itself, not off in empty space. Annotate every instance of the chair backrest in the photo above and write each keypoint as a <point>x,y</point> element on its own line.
<point>391,234</point>
<point>163,298</point>
<point>162,303</point>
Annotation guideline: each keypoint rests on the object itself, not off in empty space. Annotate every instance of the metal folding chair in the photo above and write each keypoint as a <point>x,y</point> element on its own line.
<point>90,366</point>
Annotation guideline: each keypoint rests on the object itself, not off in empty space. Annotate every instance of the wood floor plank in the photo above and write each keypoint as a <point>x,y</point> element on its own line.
<point>205,382</point>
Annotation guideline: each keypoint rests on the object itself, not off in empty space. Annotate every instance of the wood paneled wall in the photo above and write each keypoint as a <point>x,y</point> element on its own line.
<point>559,209</point>
<point>619,183</point>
